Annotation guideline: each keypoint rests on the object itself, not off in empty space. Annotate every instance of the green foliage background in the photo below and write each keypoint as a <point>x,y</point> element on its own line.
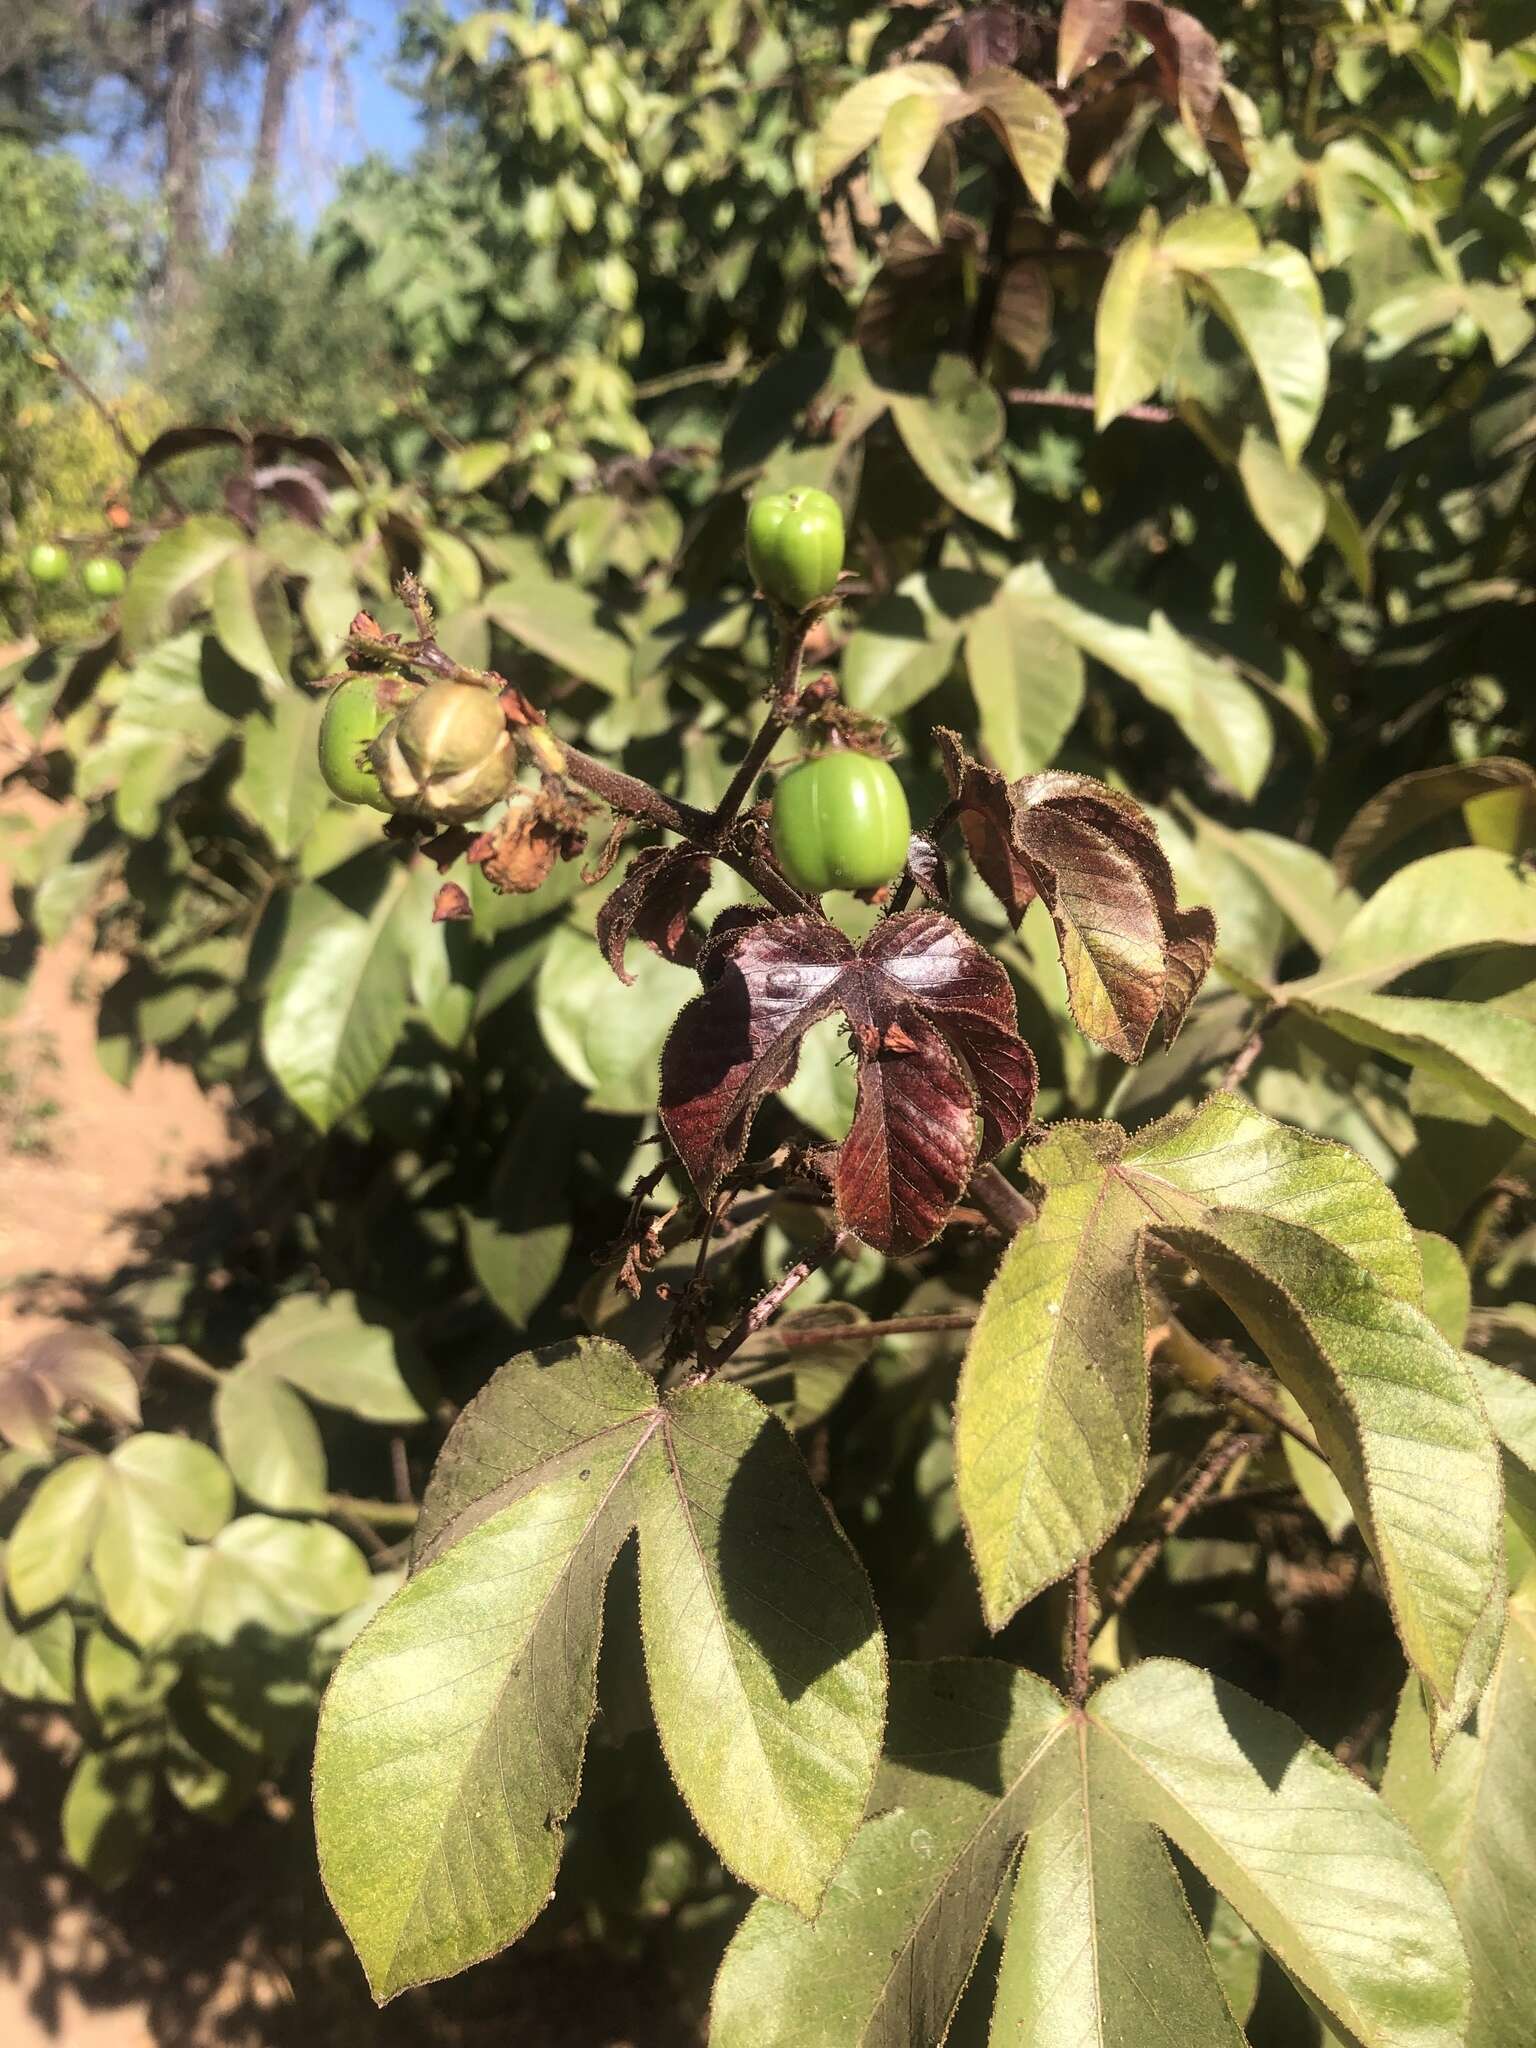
<point>1217,488</point>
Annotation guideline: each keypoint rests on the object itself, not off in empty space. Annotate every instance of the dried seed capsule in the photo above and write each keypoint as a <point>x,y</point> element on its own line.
<point>448,757</point>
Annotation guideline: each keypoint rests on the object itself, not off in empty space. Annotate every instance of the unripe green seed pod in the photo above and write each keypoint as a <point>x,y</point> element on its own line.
<point>447,758</point>
<point>841,821</point>
<point>795,546</point>
<point>356,712</point>
<point>103,577</point>
<point>47,563</point>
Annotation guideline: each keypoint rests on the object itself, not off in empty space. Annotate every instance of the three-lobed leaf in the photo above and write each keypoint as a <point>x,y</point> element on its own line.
<point>452,1735</point>
<point>1100,1943</point>
<point>1310,1251</point>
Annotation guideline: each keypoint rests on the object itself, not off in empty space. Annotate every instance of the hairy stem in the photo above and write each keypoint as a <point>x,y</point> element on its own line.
<point>1005,1207</point>
<point>1080,1628</point>
<point>1225,1450</point>
<point>767,1306</point>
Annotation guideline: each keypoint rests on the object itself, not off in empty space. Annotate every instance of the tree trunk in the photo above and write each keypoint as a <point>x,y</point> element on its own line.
<point>282,68</point>
<point>183,146</point>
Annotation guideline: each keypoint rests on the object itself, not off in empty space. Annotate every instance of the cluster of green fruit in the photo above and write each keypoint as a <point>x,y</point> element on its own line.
<point>103,577</point>
<point>442,752</point>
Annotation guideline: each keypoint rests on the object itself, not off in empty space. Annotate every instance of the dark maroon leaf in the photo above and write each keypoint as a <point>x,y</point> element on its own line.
<point>911,1147</point>
<point>1102,905</point>
<point>1224,139</point>
<point>1191,948</point>
<point>299,491</point>
<point>268,445</point>
<point>933,1027</point>
<point>178,441</point>
<point>968,996</point>
<point>1188,60</point>
<point>1417,799</point>
<point>1088,27</point>
<point>1022,317</point>
<point>986,819</point>
<point>916,301</point>
<point>1106,130</point>
<point>653,903</point>
<point>1132,957</point>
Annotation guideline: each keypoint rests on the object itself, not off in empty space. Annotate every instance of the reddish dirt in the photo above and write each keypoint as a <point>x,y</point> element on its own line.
<point>224,1939</point>
<point>111,1150</point>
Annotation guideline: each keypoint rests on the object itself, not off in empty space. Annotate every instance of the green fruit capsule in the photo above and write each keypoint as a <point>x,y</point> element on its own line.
<point>47,564</point>
<point>449,757</point>
<point>841,822</point>
<point>356,712</point>
<point>795,546</point>
<point>104,577</point>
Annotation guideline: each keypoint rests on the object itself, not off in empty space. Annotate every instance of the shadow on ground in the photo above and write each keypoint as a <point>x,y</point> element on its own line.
<point>225,1940</point>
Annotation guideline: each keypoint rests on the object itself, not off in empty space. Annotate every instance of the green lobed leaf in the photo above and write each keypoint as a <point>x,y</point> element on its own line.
<point>168,570</point>
<point>1394,1409</point>
<point>953,435</point>
<point>327,1348</point>
<point>765,1658</point>
<point>1474,1812</point>
<point>270,1442</point>
<point>280,787</point>
<point>251,619</point>
<point>1487,1049</point>
<point>1310,1250</point>
<point>559,620</point>
<point>1051,1410</point>
<point>1448,903</point>
<point>885,1960</point>
<point>854,123</point>
<point>37,1664</point>
<point>1288,501</point>
<point>606,1036</point>
<point>911,128</point>
<point>1219,714</point>
<point>1029,125</point>
<point>162,731</point>
<point>1137,329</point>
<point>1274,306</point>
<point>905,643</point>
<point>540,1481</point>
<point>1510,1399</point>
<point>107,1820</point>
<point>265,1577</point>
<point>1333,1884</point>
<point>1101,1944</point>
<point>1027,679</point>
<point>338,997</point>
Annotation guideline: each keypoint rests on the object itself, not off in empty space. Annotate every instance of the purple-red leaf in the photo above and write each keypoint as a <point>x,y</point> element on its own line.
<point>1187,57</point>
<point>1132,957</point>
<point>986,819</point>
<point>943,1073</point>
<point>49,1374</point>
<point>653,903</point>
<point>1088,27</point>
